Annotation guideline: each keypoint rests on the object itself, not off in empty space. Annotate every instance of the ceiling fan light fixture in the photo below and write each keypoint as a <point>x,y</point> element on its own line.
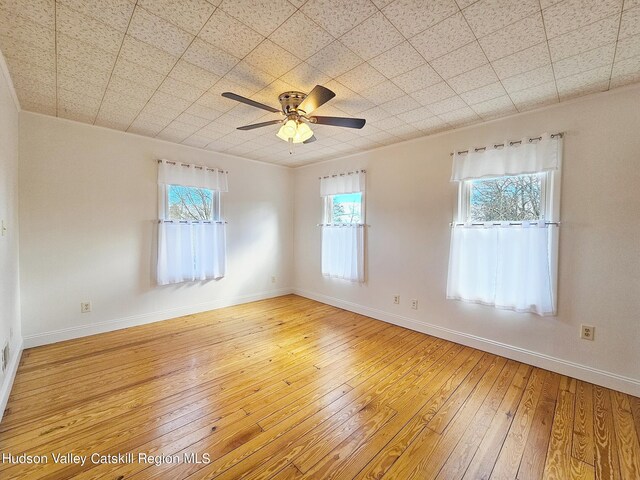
<point>294,131</point>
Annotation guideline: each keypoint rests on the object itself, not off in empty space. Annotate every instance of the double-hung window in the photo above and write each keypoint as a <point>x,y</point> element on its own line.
<point>343,226</point>
<point>191,231</point>
<point>504,240</point>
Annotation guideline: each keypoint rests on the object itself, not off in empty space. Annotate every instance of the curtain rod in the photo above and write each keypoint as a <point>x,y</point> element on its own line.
<point>517,142</point>
<point>190,221</point>
<point>343,174</point>
<point>461,224</point>
<point>341,225</point>
<point>194,166</point>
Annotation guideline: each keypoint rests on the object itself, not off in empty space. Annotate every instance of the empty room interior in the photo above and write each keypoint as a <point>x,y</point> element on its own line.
<point>320,239</point>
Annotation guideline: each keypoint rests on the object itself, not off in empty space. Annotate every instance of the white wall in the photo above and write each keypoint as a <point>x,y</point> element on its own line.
<point>410,203</point>
<point>88,210</point>
<point>9,272</point>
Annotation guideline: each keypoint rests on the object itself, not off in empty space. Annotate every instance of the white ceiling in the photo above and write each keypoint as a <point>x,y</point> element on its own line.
<point>410,67</point>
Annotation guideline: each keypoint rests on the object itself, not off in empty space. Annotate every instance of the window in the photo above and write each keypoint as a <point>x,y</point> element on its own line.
<point>344,208</point>
<point>192,203</point>
<point>504,242</point>
<point>513,198</point>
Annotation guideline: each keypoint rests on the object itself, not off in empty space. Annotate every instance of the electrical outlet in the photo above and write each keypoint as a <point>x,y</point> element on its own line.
<point>587,332</point>
<point>396,299</point>
<point>414,304</point>
<point>85,307</point>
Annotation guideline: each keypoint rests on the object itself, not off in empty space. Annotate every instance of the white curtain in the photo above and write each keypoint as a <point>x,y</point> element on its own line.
<point>505,266</point>
<point>343,245</point>
<point>514,158</point>
<point>188,175</point>
<point>343,252</point>
<point>190,251</point>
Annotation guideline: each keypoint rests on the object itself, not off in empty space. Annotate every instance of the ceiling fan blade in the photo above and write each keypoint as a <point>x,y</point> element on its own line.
<point>248,101</point>
<point>339,121</point>
<point>258,125</point>
<point>316,98</point>
<point>310,140</point>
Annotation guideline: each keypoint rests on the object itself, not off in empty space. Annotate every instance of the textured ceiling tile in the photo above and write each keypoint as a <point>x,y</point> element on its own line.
<point>127,87</point>
<point>31,73</point>
<point>43,58</point>
<point>585,61</point>
<point>383,92</point>
<point>387,123</point>
<point>180,89</point>
<point>352,104</point>
<point>444,37</point>
<point>85,53</point>
<point>304,77</point>
<point>539,94</point>
<point>214,99</point>
<point>372,37</point>
<point>529,79</point>
<point>337,16</point>
<point>362,77</point>
<point>264,16</point>
<point>400,105</point>
<point>118,124</point>
<point>203,112</point>
<point>476,78</point>
<point>209,57</point>
<point>67,97</point>
<point>193,75</point>
<point>216,32</point>
<point>630,23</point>
<point>429,124</point>
<point>414,16</point>
<point>596,77</point>
<point>334,59</point>
<point>400,59</point>
<point>194,120</point>
<point>22,29</point>
<point>82,72</point>
<point>173,135</point>
<point>421,77</point>
<point>571,14</point>
<point>447,105</point>
<point>625,72</point>
<point>375,114</point>
<point>627,48</point>
<point>461,60</point>
<point>86,29</point>
<point>170,101</point>
<point>151,29</point>
<point>483,94</point>
<point>416,115</point>
<point>249,76</point>
<point>148,56</point>
<point>487,16</point>
<point>584,39</point>
<point>520,35</point>
<point>36,100</point>
<point>300,36</point>
<point>189,15</point>
<point>137,73</point>
<point>39,11</point>
<point>495,108</point>
<point>461,117</point>
<point>114,101</point>
<point>433,94</point>
<point>81,87</point>
<point>523,61</point>
<point>35,85</point>
<point>465,3</point>
<point>272,59</point>
<point>115,13</point>
<point>159,113</point>
<point>144,129</point>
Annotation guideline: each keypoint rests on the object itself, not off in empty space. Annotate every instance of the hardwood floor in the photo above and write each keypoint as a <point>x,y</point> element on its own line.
<point>289,388</point>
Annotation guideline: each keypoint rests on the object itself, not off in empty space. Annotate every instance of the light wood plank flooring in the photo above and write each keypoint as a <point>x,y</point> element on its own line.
<point>289,388</point>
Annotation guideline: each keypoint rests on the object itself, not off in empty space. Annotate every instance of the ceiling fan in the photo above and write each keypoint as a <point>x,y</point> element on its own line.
<point>296,108</point>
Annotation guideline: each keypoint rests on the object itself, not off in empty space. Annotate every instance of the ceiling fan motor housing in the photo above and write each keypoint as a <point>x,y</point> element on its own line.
<point>290,101</point>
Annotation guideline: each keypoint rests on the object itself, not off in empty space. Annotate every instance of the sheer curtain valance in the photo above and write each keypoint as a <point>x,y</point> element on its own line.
<point>513,158</point>
<point>188,175</point>
<point>342,243</point>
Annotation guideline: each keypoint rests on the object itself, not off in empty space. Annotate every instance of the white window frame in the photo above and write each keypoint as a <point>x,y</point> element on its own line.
<point>163,203</point>
<point>328,210</point>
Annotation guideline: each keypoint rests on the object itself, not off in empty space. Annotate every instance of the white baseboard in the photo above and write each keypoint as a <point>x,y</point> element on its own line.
<point>10,375</point>
<point>564,367</point>
<point>46,338</point>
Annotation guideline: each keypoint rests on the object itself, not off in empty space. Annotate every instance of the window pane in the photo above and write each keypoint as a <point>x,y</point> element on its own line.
<point>515,198</point>
<point>347,208</point>
<point>190,203</point>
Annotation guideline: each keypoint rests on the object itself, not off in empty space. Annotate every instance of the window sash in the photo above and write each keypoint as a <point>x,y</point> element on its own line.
<point>163,203</point>
<point>327,215</point>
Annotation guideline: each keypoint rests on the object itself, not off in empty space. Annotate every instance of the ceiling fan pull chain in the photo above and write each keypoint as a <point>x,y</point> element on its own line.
<point>290,146</point>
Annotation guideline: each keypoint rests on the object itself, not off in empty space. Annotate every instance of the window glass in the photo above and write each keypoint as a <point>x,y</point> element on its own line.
<point>346,208</point>
<point>511,198</point>
<point>190,203</point>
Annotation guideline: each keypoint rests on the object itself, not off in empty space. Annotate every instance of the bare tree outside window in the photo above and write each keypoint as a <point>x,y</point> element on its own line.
<point>347,208</point>
<point>190,203</point>
<point>514,198</point>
